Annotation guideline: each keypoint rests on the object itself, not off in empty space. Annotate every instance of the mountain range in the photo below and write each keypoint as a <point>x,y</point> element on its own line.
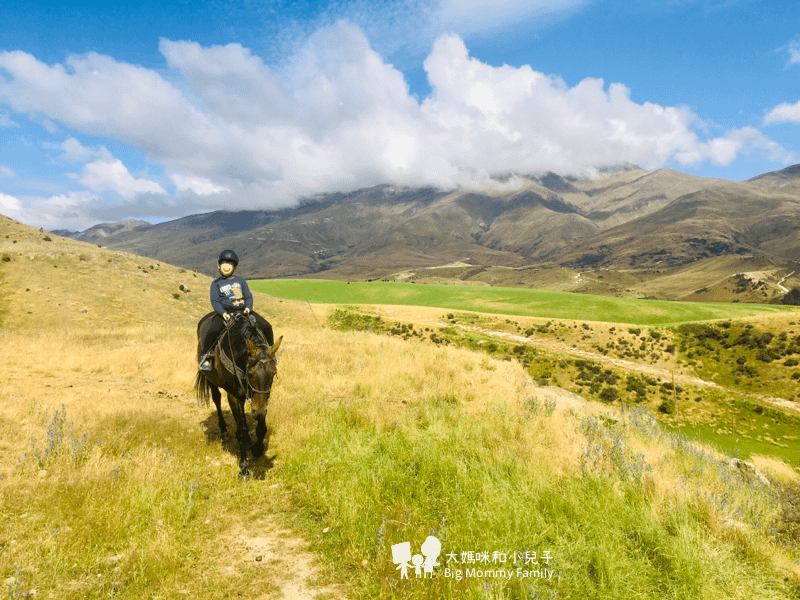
<point>622,220</point>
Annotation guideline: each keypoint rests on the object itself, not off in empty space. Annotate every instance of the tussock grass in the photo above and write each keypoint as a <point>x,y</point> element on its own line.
<point>120,493</point>
<point>626,509</point>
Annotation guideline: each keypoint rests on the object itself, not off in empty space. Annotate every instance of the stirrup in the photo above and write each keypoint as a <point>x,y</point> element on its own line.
<point>205,363</point>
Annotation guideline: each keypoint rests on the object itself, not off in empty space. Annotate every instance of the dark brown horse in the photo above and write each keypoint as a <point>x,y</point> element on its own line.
<point>244,365</point>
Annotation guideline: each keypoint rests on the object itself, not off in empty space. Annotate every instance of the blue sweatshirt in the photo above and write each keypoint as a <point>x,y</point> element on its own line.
<point>230,294</point>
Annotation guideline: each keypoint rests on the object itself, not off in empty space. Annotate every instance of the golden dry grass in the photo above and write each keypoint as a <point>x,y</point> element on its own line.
<point>139,499</point>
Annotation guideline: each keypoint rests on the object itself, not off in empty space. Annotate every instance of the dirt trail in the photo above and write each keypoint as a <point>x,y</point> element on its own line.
<point>256,546</point>
<point>266,545</point>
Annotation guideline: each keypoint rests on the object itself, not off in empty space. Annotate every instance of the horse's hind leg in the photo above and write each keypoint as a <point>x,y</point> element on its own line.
<point>217,397</point>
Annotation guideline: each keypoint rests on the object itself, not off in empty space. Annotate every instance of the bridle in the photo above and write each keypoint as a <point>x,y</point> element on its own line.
<point>250,385</point>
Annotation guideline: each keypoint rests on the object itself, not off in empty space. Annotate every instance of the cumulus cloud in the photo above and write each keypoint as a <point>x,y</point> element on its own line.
<point>73,151</point>
<point>724,150</point>
<point>112,176</point>
<point>783,113</point>
<point>337,117</point>
<point>9,203</point>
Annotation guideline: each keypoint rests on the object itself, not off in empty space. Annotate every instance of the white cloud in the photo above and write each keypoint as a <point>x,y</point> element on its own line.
<point>337,117</point>
<point>794,52</point>
<point>111,175</point>
<point>197,185</point>
<point>724,150</point>
<point>74,151</point>
<point>783,113</point>
<point>9,203</point>
<point>6,172</point>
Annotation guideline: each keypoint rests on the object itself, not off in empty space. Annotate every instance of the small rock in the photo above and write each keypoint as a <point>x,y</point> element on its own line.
<point>734,524</point>
<point>748,469</point>
<point>148,380</point>
<point>259,558</point>
<point>326,530</point>
<point>83,310</point>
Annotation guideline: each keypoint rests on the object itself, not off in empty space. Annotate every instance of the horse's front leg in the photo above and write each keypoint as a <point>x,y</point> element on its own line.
<point>242,433</point>
<point>217,397</point>
<point>261,431</point>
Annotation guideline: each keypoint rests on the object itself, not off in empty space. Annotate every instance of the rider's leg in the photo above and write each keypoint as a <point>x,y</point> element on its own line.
<point>264,326</point>
<point>215,328</point>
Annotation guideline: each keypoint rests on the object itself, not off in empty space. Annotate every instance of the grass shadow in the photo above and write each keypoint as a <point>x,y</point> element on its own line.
<point>258,466</point>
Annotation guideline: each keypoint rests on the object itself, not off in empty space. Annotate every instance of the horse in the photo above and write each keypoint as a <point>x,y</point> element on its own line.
<point>243,365</point>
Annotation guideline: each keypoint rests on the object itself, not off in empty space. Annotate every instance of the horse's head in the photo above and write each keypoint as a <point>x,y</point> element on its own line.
<point>261,370</point>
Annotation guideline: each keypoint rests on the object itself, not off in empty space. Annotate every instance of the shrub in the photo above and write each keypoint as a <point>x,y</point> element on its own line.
<point>667,406</point>
<point>609,394</point>
<point>792,298</point>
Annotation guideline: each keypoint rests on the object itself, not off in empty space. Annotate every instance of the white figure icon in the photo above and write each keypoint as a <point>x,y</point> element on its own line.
<point>431,548</point>
<point>418,560</point>
<point>401,555</point>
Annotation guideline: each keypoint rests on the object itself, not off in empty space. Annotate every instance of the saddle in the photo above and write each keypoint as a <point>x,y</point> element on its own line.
<point>219,355</point>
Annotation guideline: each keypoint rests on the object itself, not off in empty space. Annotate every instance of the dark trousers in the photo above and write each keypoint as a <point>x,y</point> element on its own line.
<point>217,325</point>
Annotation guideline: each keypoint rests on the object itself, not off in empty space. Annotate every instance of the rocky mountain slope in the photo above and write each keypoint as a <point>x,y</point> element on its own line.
<point>373,231</point>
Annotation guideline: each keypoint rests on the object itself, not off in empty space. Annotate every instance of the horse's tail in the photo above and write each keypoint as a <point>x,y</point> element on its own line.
<point>201,388</point>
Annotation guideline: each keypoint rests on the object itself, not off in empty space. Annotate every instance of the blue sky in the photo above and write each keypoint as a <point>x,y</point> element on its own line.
<point>158,110</point>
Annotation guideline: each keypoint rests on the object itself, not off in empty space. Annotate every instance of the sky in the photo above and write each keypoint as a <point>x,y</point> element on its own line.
<point>154,111</point>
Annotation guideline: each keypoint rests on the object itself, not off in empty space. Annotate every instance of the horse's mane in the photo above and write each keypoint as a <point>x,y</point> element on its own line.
<point>243,330</point>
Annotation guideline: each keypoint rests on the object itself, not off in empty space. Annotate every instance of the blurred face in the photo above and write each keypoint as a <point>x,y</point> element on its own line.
<point>226,268</point>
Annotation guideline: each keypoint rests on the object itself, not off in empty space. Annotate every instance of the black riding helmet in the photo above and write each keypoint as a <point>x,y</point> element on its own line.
<point>228,256</point>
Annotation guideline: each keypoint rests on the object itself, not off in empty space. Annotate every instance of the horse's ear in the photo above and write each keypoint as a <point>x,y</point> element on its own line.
<point>274,348</point>
<point>252,348</point>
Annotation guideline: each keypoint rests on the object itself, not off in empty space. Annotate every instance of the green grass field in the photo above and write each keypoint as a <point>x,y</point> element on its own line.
<point>509,301</point>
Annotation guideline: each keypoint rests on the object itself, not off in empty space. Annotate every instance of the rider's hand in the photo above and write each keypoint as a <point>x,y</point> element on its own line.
<point>246,311</point>
<point>226,316</point>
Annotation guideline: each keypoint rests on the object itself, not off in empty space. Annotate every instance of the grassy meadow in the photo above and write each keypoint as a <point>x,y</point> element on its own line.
<point>114,483</point>
<point>509,301</point>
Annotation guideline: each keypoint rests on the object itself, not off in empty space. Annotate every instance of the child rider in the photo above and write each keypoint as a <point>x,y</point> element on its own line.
<point>229,295</point>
